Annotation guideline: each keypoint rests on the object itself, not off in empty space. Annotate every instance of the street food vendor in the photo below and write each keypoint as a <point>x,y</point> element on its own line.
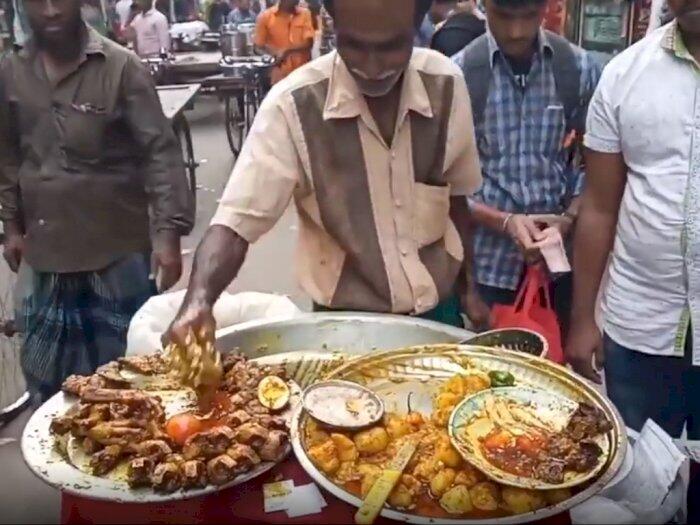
<point>93,193</point>
<point>375,144</point>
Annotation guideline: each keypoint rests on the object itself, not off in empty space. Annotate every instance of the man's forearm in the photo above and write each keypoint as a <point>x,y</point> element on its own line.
<point>593,240</point>
<point>488,216</point>
<point>217,261</point>
<point>460,215</point>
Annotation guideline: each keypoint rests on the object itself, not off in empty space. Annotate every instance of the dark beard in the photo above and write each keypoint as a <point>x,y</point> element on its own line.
<point>65,46</point>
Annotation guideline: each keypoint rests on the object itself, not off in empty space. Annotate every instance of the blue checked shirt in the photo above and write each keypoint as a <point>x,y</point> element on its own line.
<point>523,161</point>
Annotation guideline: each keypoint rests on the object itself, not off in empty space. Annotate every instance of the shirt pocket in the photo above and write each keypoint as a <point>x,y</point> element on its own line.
<point>552,129</point>
<point>431,213</point>
<point>82,129</point>
<point>296,32</point>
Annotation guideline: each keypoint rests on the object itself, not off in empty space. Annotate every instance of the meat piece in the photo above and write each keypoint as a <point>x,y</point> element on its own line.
<point>195,474</point>
<point>106,459</point>
<point>177,459</point>
<point>61,425</point>
<point>251,434</point>
<point>167,477</point>
<point>241,399</point>
<point>550,471</point>
<point>230,360</point>
<point>275,446</point>
<point>221,470</point>
<point>208,444</point>
<point>244,456</point>
<point>96,414</point>
<point>237,418</point>
<point>584,458</point>
<point>120,432</point>
<point>144,407</point>
<point>254,407</point>
<point>145,365</point>
<point>155,448</point>
<point>74,384</point>
<point>119,411</point>
<point>91,446</point>
<point>272,422</point>
<point>587,422</point>
<point>140,471</point>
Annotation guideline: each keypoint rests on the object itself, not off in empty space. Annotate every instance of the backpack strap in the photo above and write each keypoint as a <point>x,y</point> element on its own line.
<point>567,77</point>
<point>476,68</point>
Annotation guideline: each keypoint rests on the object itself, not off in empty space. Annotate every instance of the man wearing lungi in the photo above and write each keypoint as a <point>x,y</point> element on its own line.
<point>375,144</point>
<point>93,193</point>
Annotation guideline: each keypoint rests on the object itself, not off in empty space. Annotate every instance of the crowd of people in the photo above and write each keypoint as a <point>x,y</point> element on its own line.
<point>425,182</point>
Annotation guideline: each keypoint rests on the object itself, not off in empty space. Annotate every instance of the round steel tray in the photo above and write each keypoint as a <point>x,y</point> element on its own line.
<point>396,374</point>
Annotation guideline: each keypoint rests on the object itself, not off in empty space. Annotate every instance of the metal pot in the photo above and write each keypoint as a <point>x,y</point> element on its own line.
<point>354,333</point>
<point>233,42</point>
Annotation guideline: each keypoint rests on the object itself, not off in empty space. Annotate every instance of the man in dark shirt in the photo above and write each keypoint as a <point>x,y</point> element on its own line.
<point>461,27</point>
<point>218,12</point>
<point>93,193</point>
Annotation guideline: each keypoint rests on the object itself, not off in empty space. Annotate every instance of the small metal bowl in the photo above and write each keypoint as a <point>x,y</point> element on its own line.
<point>343,404</point>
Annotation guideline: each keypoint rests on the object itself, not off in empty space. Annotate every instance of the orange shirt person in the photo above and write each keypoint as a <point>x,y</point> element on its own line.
<point>286,32</point>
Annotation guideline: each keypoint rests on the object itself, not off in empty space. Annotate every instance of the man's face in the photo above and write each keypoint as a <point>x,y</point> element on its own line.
<point>515,28</point>
<point>440,10</point>
<point>53,21</point>
<point>143,5</point>
<point>288,5</point>
<point>375,40</point>
<point>688,14</point>
<point>244,5</point>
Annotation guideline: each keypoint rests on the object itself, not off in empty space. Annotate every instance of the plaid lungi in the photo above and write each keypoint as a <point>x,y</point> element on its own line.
<point>74,322</point>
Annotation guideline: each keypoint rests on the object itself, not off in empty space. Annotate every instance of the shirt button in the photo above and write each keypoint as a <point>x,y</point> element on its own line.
<point>398,203</point>
<point>393,155</point>
<point>42,222</point>
<point>404,252</point>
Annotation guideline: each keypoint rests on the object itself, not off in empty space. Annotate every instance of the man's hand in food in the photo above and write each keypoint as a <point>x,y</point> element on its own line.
<point>582,346</point>
<point>166,260</point>
<point>523,230</point>
<point>476,309</point>
<point>13,246</point>
<point>195,317</point>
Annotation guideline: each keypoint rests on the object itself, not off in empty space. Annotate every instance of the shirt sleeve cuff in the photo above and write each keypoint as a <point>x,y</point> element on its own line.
<point>601,145</point>
<point>248,227</point>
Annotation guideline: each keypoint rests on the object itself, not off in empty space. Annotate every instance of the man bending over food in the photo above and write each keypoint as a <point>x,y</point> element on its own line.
<point>375,144</point>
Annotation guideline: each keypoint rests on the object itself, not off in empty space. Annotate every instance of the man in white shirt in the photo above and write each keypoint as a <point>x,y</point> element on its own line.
<point>642,201</point>
<point>149,30</point>
<point>123,9</point>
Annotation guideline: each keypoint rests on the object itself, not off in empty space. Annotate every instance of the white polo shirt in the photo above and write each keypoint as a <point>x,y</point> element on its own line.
<point>152,34</point>
<point>647,106</point>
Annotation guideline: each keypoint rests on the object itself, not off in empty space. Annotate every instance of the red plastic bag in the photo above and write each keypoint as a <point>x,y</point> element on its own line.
<point>531,313</point>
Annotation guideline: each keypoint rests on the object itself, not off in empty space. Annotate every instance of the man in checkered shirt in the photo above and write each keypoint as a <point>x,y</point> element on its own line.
<point>526,134</point>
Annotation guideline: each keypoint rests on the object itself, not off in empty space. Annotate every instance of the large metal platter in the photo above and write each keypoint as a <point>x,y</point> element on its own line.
<point>418,370</point>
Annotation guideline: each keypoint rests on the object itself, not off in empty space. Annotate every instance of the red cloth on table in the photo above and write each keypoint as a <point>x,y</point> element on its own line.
<point>237,505</point>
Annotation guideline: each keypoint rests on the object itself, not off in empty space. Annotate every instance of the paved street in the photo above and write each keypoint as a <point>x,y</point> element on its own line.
<point>269,268</point>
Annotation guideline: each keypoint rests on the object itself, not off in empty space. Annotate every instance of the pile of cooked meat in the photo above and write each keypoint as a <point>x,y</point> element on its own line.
<point>548,457</point>
<point>115,422</point>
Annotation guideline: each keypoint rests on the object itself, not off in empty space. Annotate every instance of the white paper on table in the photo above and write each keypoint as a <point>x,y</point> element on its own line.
<point>305,500</point>
<point>277,496</point>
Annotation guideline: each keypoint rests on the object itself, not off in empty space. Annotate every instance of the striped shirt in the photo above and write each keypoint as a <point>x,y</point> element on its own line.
<point>374,226</point>
<point>523,160</point>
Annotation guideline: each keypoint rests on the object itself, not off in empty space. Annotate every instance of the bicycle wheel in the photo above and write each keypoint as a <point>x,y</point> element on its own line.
<point>234,124</point>
<point>184,136</point>
<point>13,389</point>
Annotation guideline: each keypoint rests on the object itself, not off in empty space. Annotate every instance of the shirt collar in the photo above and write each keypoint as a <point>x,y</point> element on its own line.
<point>344,99</point>
<point>93,44</point>
<point>542,44</point>
<point>672,41</point>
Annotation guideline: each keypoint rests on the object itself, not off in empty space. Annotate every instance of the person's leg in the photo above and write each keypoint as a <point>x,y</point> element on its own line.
<point>693,428</point>
<point>645,387</point>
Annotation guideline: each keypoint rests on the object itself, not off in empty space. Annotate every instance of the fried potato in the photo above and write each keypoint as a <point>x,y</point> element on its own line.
<point>520,501</point>
<point>397,426</point>
<point>347,451</point>
<point>457,500</point>
<point>325,457</point>
<point>468,477</point>
<point>371,441</point>
<point>484,495</point>
<point>426,469</point>
<point>442,481</point>
<point>315,435</point>
<point>556,496</point>
<point>369,474</point>
<point>446,453</point>
<point>446,400</point>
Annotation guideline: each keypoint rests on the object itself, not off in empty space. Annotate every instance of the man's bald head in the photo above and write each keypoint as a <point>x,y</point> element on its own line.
<point>375,39</point>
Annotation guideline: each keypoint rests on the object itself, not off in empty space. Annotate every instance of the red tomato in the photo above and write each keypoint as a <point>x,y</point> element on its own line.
<point>182,426</point>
